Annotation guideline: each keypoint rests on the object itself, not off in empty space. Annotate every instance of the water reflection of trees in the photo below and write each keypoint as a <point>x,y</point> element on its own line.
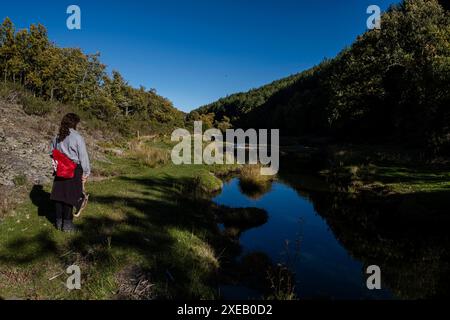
<point>238,220</point>
<point>253,270</point>
<point>406,235</point>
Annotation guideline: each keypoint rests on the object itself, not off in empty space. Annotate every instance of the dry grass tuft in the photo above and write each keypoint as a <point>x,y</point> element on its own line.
<point>253,183</point>
<point>148,156</point>
<point>134,284</point>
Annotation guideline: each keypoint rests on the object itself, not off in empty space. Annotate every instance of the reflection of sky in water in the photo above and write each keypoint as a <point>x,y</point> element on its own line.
<point>325,269</point>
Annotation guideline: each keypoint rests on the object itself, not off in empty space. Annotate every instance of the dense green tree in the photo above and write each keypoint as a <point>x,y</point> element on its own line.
<point>237,105</point>
<point>70,76</point>
<point>7,48</point>
<point>390,85</point>
<point>224,124</point>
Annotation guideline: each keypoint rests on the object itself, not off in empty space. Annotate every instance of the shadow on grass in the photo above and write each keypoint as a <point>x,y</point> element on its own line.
<point>31,246</point>
<point>167,227</point>
<point>153,231</point>
<point>27,249</point>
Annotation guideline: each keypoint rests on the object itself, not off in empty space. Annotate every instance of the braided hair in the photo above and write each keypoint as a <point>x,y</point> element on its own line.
<point>69,121</point>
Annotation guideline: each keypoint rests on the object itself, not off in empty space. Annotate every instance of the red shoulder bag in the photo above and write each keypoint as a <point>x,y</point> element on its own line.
<point>65,168</point>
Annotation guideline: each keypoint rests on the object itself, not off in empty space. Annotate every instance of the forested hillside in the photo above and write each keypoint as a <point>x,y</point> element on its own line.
<point>28,59</point>
<point>392,84</point>
<point>236,105</point>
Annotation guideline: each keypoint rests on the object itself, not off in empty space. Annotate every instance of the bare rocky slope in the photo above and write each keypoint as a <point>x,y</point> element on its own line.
<point>24,144</point>
<point>24,150</point>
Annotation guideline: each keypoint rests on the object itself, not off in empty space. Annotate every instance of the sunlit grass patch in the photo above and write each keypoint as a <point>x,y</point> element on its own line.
<point>410,180</point>
<point>148,155</point>
<point>199,260</point>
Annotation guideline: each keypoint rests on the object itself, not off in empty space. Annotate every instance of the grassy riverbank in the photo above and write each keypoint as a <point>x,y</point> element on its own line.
<point>382,169</point>
<point>151,231</point>
<point>147,233</point>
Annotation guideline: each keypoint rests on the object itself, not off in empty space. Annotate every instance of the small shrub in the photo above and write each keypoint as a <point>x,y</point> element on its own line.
<point>20,180</point>
<point>35,106</point>
<point>253,183</point>
<point>6,203</point>
<point>10,92</point>
<point>282,281</point>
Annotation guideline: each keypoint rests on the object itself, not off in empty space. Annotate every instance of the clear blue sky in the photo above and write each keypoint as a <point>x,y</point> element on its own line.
<point>196,51</point>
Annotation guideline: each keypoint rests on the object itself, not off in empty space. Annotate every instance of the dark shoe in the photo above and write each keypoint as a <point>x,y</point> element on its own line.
<point>68,226</point>
<point>59,224</point>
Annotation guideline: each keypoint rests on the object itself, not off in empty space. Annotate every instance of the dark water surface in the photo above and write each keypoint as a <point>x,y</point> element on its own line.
<point>324,268</point>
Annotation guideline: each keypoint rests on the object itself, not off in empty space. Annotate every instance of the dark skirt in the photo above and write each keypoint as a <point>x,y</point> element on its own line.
<point>68,191</point>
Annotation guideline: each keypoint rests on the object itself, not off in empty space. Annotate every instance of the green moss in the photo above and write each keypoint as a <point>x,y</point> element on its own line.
<point>20,180</point>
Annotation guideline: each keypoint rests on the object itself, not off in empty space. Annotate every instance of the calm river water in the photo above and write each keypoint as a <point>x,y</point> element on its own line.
<point>324,268</point>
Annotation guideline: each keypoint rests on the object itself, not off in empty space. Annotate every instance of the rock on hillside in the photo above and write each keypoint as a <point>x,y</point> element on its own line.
<point>24,146</point>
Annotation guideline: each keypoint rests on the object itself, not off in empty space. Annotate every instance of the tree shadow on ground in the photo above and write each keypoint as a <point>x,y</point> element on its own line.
<point>27,249</point>
<point>31,247</point>
<point>166,228</point>
<point>144,228</point>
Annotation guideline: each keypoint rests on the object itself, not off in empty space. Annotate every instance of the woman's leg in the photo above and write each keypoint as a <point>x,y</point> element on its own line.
<point>68,212</point>
<point>59,206</point>
<point>68,218</point>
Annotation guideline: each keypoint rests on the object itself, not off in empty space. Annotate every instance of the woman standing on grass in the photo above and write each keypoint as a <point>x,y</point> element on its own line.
<point>67,192</point>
